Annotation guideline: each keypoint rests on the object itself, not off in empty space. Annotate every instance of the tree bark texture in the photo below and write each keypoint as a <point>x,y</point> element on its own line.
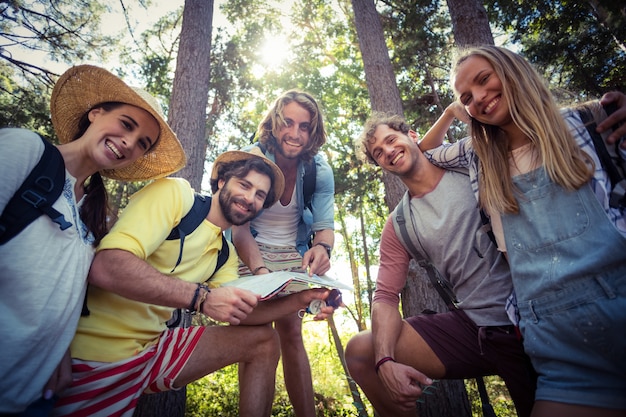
<point>469,23</point>
<point>190,91</point>
<point>165,404</point>
<point>187,117</point>
<point>380,78</point>
<point>450,397</point>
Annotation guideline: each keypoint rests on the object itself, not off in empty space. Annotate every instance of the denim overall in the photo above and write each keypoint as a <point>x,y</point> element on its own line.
<point>568,264</point>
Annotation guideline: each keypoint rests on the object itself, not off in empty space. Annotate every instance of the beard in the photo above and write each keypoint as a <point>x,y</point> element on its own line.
<point>232,215</point>
<point>292,153</point>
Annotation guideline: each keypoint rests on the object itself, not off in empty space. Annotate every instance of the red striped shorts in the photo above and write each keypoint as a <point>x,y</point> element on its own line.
<point>114,388</point>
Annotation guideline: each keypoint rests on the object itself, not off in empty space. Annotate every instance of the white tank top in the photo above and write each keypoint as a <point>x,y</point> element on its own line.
<point>278,225</point>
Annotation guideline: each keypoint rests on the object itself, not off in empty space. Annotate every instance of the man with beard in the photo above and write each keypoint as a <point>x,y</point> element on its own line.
<point>123,347</point>
<point>296,233</point>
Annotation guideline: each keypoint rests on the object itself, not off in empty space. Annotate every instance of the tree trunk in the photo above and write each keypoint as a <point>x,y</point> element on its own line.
<point>356,396</point>
<point>187,117</point>
<point>358,315</point>
<point>168,403</point>
<point>190,91</point>
<point>450,398</point>
<point>469,23</point>
<point>380,78</point>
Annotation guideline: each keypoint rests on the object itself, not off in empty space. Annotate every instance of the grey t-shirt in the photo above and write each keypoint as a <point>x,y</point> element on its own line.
<point>451,234</point>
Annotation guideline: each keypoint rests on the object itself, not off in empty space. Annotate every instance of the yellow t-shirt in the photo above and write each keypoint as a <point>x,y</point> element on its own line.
<point>118,328</point>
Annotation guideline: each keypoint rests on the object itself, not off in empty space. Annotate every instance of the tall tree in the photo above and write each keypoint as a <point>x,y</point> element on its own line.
<point>188,104</point>
<point>469,22</point>
<point>380,78</point>
<point>187,117</point>
<point>451,398</point>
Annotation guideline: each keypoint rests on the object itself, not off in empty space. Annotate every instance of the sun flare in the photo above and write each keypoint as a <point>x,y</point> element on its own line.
<point>273,53</point>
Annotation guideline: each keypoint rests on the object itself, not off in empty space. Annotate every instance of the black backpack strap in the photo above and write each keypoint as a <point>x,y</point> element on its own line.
<point>35,197</point>
<point>487,408</point>
<point>617,198</point>
<point>222,255</point>
<point>199,210</point>
<point>407,235</point>
<point>310,177</point>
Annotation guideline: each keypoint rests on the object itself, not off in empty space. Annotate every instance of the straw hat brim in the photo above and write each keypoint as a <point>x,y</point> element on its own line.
<point>255,152</point>
<point>82,87</point>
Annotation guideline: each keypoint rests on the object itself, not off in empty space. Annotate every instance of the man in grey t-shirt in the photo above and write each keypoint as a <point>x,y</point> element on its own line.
<point>476,338</point>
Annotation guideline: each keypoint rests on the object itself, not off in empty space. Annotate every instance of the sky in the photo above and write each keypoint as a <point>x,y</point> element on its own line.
<point>115,23</point>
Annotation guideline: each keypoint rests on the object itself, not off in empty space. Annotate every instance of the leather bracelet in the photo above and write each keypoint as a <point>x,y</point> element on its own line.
<point>383,360</point>
<point>255,270</point>
<point>203,298</point>
<point>194,300</point>
<point>326,246</point>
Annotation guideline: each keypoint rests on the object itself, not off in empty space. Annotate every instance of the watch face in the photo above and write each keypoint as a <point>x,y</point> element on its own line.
<point>316,306</point>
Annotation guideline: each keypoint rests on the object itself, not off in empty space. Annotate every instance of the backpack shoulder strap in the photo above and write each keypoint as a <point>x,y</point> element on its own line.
<point>199,210</point>
<point>310,177</point>
<point>35,197</point>
<point>612,164</point>
<point>407,235</point>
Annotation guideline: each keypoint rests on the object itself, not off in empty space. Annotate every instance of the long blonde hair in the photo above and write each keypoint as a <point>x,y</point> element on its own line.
<point>537,115</point>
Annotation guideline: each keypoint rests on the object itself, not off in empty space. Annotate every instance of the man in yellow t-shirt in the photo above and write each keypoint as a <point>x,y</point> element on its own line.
<point>123,348</point>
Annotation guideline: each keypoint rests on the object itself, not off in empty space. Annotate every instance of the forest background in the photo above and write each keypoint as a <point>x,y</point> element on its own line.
<point>217,67</point>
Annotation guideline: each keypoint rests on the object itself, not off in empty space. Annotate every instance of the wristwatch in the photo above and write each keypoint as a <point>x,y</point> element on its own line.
<point>326,246</point>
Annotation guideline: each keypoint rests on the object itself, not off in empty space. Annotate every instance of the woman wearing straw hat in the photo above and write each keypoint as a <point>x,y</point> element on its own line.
<point>105,128</point>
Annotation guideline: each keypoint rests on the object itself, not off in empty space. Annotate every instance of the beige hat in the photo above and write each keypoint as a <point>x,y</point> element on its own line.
<point>82,87</point>
<point>254,152</point>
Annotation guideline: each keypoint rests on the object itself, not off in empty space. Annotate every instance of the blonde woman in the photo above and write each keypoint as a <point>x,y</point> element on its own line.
<point>541,182</point>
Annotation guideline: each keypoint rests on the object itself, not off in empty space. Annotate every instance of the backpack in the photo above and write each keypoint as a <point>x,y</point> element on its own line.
<point>610,158</point>
<point>407,236</point>
<point>41,188</point>
<point>199,210</point>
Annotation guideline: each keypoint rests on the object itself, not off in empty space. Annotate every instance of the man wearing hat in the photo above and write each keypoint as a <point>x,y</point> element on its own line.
<point>105,129</point>
<point>123,348</point>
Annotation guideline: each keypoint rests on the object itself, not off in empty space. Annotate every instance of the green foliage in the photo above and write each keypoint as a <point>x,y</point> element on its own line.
<point>578,45</point>
<point>24,107</point>
<point>62,31</point>
<point>218,393</point>
<point>499,397</point>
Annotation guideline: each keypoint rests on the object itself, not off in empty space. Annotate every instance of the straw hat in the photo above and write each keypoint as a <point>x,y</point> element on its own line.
<point>82,87</point>
<point>254,152</point>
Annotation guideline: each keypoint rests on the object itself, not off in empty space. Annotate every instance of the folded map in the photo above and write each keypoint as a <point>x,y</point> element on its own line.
<point>285,282</point>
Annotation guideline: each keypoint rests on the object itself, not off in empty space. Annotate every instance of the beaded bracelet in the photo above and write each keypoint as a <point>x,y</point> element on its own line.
<point>383,360</point>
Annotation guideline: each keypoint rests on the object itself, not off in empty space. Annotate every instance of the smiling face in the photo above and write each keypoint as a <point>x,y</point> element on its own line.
<point>120,136</point>
<point>480,90</point>
<point>294,136</point>
<point>241,198</point>
<point>393,150</point>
